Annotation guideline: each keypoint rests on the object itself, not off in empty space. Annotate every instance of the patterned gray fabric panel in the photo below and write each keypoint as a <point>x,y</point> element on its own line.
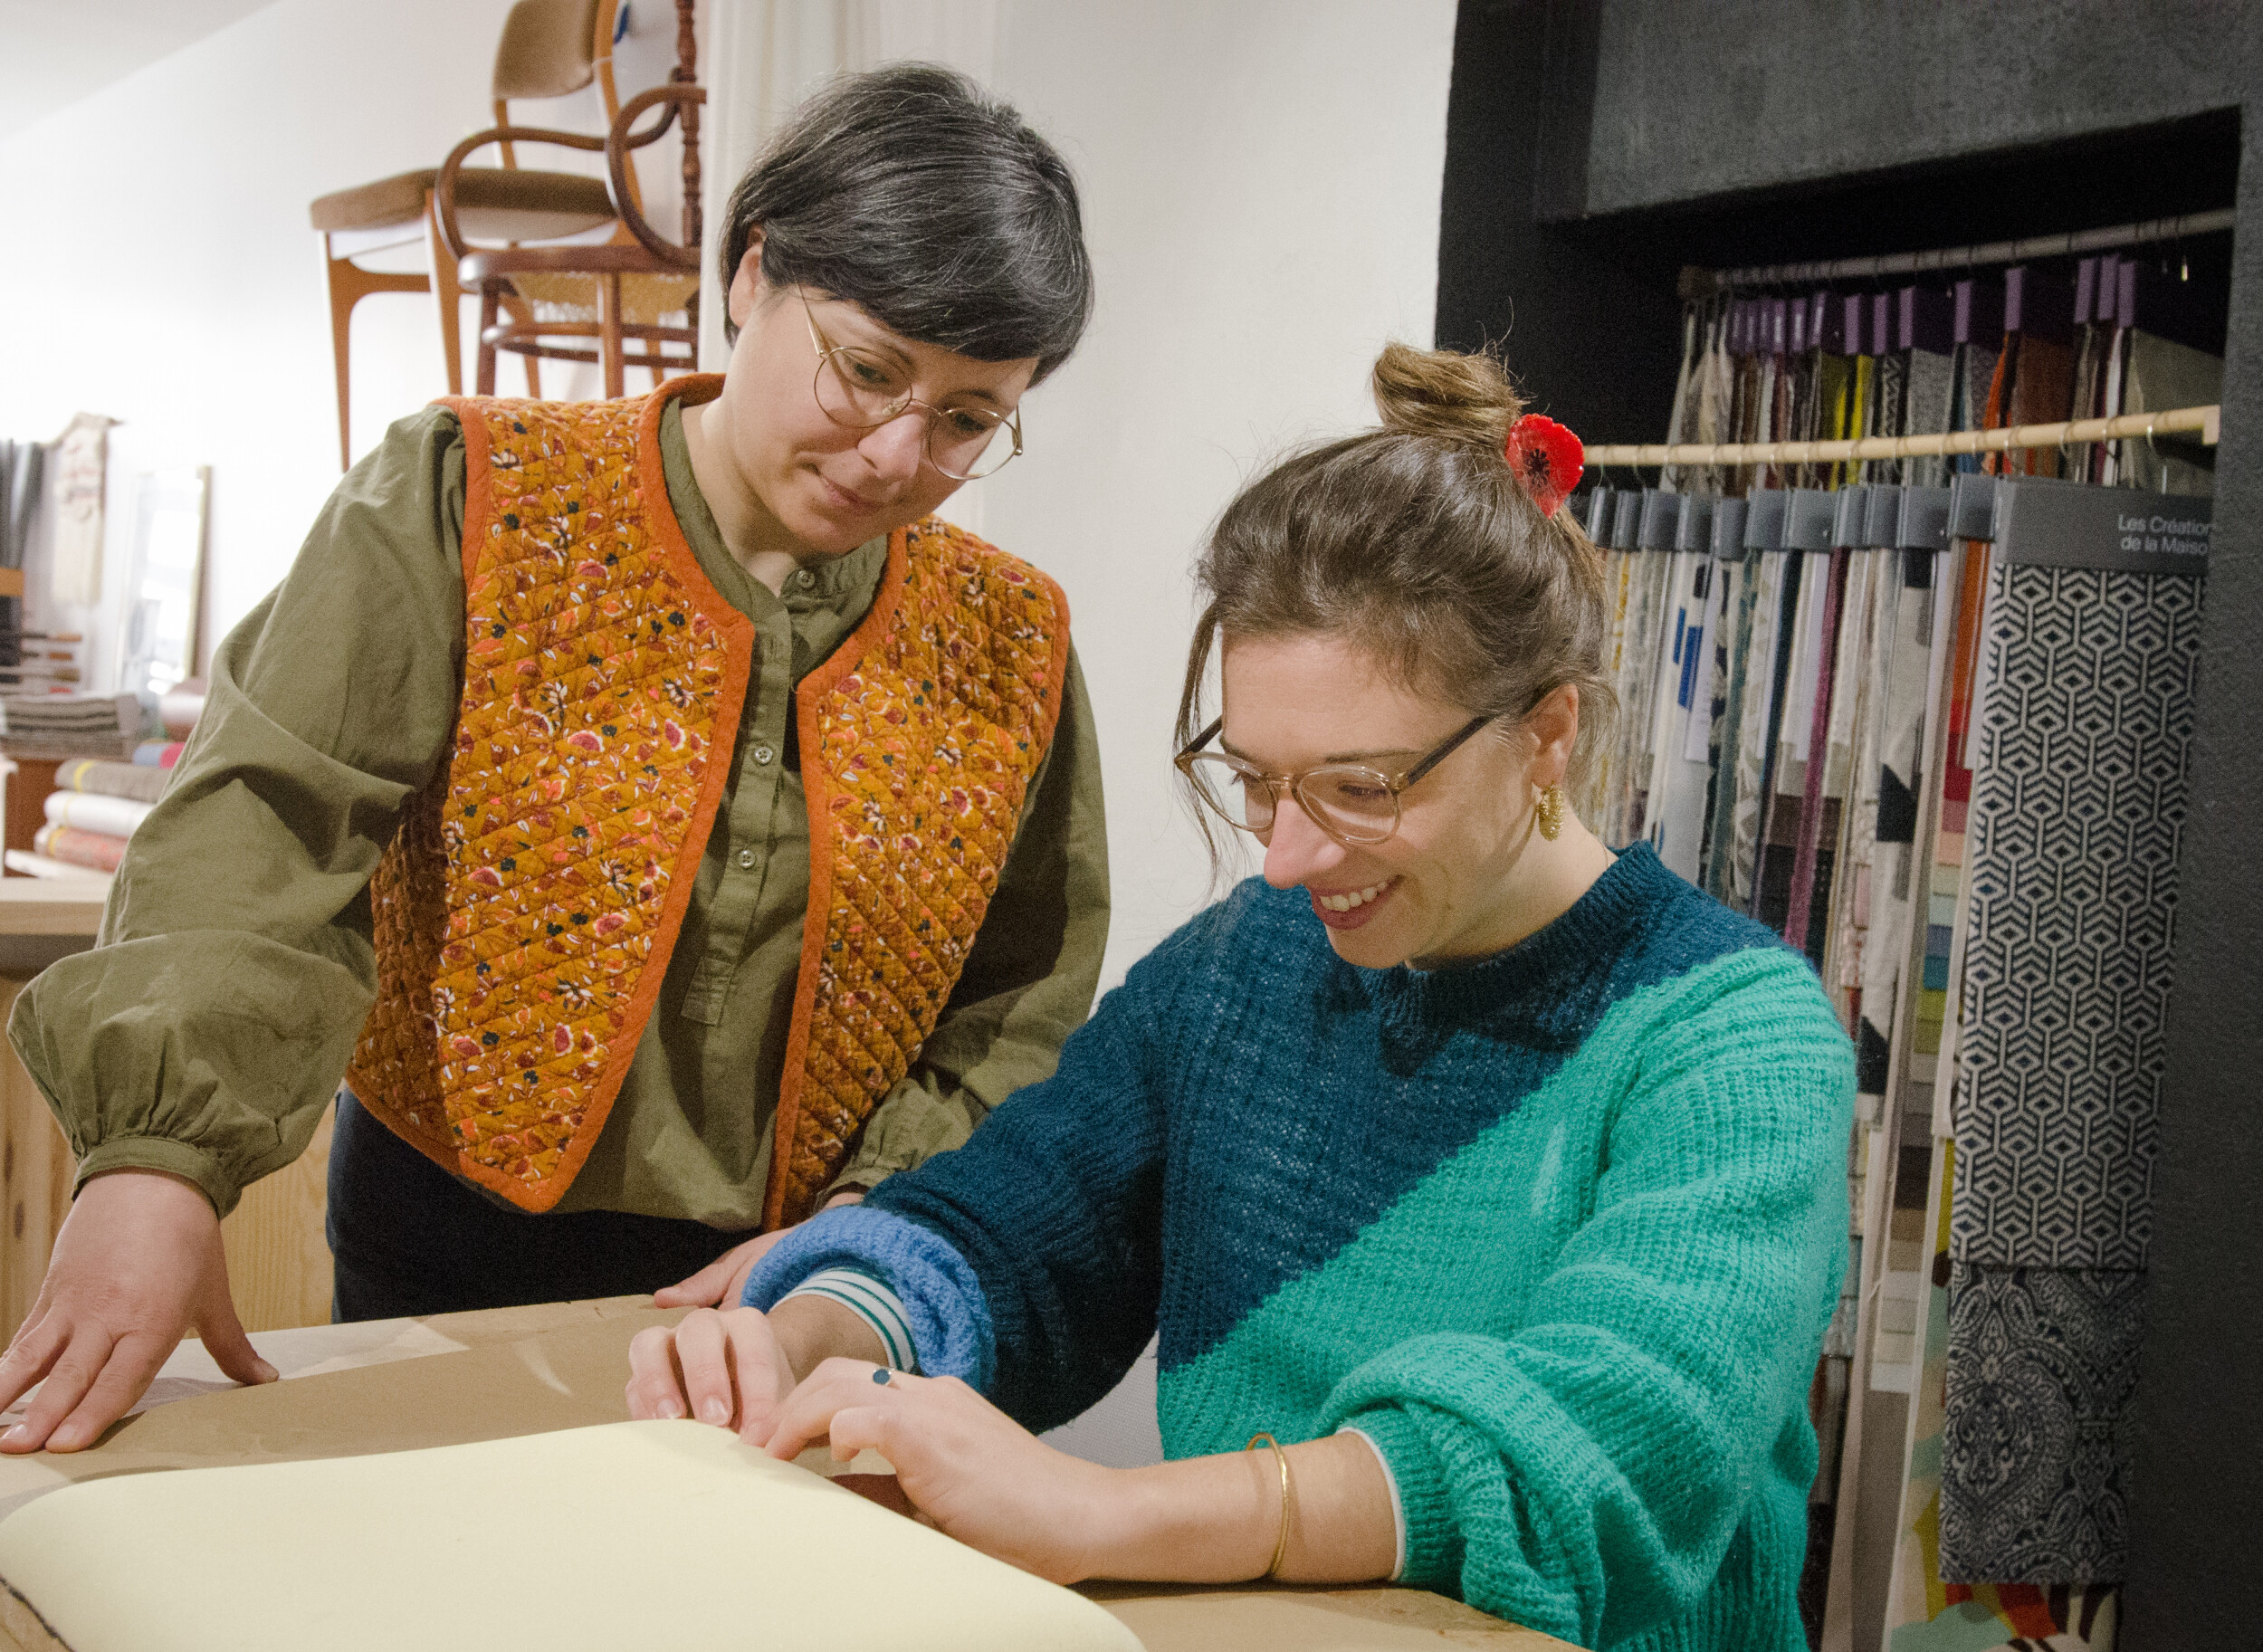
<point>2077,807</point>
<point>2035,1448</point>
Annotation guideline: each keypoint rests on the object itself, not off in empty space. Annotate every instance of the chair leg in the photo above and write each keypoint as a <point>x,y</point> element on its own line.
<point>489,300</point>
<point>609,334</point>
<point>348,285</point>
<point>449,292</point>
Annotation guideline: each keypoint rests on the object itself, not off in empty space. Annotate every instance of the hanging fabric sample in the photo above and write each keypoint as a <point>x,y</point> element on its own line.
<point>1978,325</point>
<point>1899,879</point>
<point>1745,736</point>
<point>1925,335</point>
<point>2084,743</point>
<point>1603,524</point>
<point>1678,781</point>
<point>1924,1613</point>
<point>1724,643</point>
<point>1857,722</point>
<point>2162,374</point>
<point>1810,874</point>
<point>1808,524</point>
<point>2035,375</point>
<point>1650,638</point>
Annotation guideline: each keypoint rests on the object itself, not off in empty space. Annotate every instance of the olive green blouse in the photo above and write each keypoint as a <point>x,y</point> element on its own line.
<point>209,1026</point>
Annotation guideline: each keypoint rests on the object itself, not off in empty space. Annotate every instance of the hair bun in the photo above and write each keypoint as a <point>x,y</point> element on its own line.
<point>1444,393</point>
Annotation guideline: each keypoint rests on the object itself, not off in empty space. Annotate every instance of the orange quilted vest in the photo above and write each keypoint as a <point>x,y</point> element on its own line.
<point>525,910</point>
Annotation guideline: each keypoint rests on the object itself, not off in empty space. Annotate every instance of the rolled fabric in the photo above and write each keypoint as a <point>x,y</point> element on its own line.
<point>179,706</point>
<point>92,812</point>
<point>158,753</point>
<point>144,783</point>
<point>94,850</point>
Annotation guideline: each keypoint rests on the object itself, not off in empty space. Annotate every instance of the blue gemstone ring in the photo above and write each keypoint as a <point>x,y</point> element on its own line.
<point>880,1375</point>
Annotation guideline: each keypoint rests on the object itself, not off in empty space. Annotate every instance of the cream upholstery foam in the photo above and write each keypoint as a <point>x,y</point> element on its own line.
<point>651,1534</point>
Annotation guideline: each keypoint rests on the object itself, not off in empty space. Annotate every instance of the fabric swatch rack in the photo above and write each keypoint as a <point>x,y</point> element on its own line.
<point>1901,676</point>
<point>1936,737</point>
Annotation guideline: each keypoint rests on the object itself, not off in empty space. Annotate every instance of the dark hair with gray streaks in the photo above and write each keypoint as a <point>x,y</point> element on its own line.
<point>911,193</point>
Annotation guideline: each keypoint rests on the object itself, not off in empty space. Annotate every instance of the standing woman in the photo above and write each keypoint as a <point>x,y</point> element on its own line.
<point>1491,1187</point>
<point>665,823</point>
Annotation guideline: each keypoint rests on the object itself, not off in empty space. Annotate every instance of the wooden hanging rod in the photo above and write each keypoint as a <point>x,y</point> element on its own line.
<point>2206,420</point>
<point>1697,282</point>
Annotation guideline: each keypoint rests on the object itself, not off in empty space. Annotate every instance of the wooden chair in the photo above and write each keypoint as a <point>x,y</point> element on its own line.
<point>549,49</point>
<point>596,298</point>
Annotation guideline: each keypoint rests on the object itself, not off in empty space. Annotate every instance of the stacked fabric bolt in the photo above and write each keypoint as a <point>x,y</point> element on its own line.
<point>95,809</point>
<point>70,725</point>
<point>99,801</point>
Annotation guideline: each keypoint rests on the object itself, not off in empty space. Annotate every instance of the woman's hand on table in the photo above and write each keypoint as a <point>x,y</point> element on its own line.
<point>968,1468</point>
<point>728,1368</point>
<point>721,1281</point>
<point>136,1265</point>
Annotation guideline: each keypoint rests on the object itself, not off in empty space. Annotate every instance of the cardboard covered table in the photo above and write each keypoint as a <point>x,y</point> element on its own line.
<point>403,1385</point>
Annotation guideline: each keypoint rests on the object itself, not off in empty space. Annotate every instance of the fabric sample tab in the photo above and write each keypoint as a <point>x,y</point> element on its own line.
<point>2035,1441</point>
<point>2077,809</point>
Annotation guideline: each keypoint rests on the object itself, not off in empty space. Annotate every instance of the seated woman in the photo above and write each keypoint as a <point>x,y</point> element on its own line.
<point>1505,1177</point>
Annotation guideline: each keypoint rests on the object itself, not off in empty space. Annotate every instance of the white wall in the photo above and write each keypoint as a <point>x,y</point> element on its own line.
<point>1261,185</point>
<point>162,271</point>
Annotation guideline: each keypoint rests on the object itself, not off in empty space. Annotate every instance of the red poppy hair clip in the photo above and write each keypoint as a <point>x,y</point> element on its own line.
<point>1547,459</point>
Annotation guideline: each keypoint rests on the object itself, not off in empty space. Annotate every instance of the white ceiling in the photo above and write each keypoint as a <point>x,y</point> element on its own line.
<point>53,52</point>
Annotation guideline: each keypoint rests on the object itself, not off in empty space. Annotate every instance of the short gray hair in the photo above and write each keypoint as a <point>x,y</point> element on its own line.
<point>911,193</point>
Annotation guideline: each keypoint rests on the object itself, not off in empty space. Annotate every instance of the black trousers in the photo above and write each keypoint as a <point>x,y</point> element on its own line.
<point>408,1238</point>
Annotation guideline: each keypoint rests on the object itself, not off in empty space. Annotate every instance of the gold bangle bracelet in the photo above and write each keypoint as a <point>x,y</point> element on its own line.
<point>1281,1544</point>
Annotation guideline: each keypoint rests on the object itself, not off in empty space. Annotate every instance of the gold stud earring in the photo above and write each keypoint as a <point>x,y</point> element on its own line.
<point>1548,812</point>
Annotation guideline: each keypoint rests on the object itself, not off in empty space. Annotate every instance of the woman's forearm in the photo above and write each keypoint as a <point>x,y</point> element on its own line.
<point>811,1329</point>
<point>1217,1520</point>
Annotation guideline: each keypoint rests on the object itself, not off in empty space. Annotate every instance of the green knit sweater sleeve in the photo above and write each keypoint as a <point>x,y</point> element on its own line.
<point>1618,1432</point>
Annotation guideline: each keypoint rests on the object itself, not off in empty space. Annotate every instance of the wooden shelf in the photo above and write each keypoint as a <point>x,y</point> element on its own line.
<point>53,906</point>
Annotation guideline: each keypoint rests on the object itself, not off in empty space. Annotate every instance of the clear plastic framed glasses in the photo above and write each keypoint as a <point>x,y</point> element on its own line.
<point>1352,803</point>
<point>862,391</point>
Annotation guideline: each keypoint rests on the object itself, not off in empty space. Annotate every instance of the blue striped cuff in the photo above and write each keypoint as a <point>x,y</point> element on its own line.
<point>871,1300</point>
<point>938,1297</point>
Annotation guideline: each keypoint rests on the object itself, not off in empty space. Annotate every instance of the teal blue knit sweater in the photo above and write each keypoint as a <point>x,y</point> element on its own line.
<point>1558,1231</point>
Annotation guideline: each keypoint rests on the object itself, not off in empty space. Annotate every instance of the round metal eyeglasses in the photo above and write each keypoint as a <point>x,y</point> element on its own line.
<point>862,390</point>
<point>1351,802</point>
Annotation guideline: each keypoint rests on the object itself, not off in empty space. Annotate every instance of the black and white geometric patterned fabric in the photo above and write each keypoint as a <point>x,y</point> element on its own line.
<point>2034,1442</point>
<point>2078,806</point>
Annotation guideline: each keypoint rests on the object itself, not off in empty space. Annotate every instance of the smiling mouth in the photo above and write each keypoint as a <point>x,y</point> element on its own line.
<point>843,496</point>
<point>1353,899</point>
<point>1351,908</point>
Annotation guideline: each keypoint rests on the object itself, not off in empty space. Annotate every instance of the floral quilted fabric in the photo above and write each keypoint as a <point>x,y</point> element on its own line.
<point>920,739</point>
<point>524,915</point>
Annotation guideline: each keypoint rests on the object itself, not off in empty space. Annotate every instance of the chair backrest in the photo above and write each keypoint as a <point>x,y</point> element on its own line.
<point>549,49</point>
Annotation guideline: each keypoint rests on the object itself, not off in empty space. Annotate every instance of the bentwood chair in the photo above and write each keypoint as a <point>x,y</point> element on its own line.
<point>549,49</point>
<point>590,302</point>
